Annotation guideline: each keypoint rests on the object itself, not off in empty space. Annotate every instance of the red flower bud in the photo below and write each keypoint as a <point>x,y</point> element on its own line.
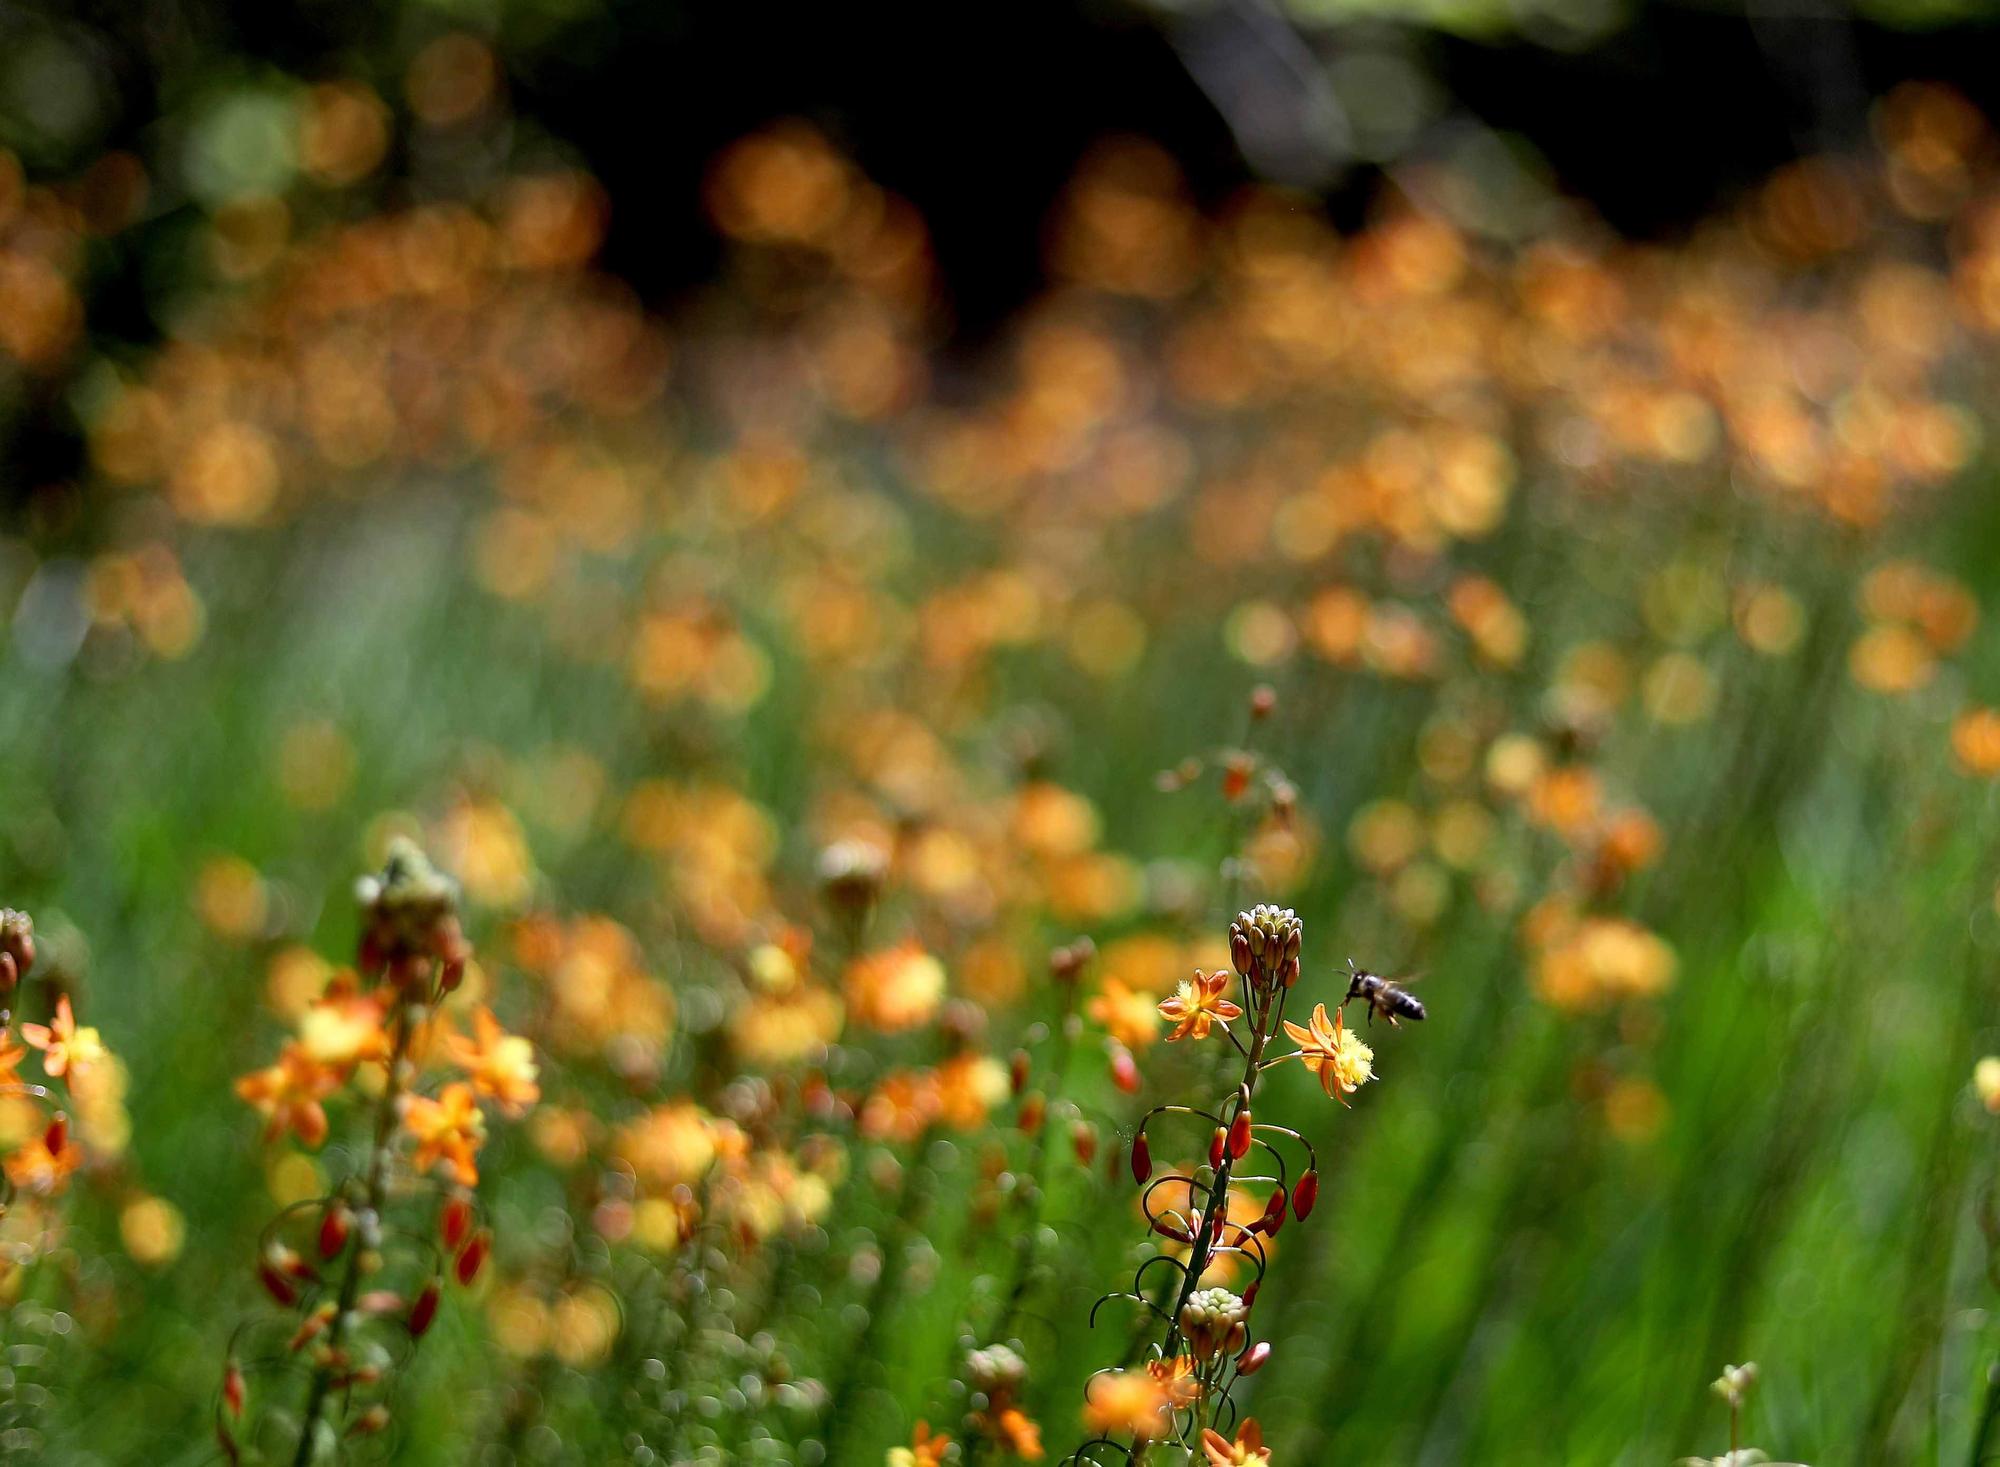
<point>1017,1071</point>
<point>1215,1145</point>
<point>57,1135</point>
<point>474,1254</point>
<point>1249,1295</point>
<point>333,1229</point>
<point>424,1310</point>
<point>1305,1195</point>
<point>1142,1159</point>
<point>1252,1360</point>
<point>1033,1110</point>
<point>1274,1213</point>
<point>1291,970</point>
<point>370,1421</point>
<point>1124,1070</point>
<point>1083,1137</point>
<point>276,1284</point>
<point>1239,1133</point>
<point>232,1388</point>
<point>455,1222</point>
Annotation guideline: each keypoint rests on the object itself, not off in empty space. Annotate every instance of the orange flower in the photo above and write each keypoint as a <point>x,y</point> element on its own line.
<point>895,990</point>
<point>343,1029</point>
<point>924,1449</point>
<point>289,1094</point>
<point>1128,1016</point>
<point>448,1129</point>
<point>64,1046</point>
<point>1016,1433</point>
<point>1176,1378</point>
<point>34,1167</point>
<point>1127,1402</point>
<point>1333,1052</point>
<point>1198,1005</point>
<point>1247,1448</point>
<point>500,1065</point>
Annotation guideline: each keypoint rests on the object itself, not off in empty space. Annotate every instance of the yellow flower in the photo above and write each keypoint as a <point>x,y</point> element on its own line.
<point>1198,1005</point>
<point>1333,1052</point>
<point>1986,1080</point>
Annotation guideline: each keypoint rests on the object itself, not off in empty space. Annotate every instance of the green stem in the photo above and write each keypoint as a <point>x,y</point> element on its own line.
<point>350,1280</point>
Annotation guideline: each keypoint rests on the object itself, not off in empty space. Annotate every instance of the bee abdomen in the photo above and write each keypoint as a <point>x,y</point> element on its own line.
<point>1405,1006</point>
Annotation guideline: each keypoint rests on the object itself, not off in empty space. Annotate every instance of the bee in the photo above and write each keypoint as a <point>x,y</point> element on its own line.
<point>1385,996</point>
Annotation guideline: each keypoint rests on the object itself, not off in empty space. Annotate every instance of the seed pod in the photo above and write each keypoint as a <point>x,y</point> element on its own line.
<point>1239,1133</point>
<point>1142,1158</point>
<point>1215,1145</point>
<point>1124,1070</point>
<point>455,1222</point>
<point>1253,1359</point>
<point>424,1310</point>
<point>1083,1137</point>
<point>1305,1195</point>
<point>333,1229</point>
<point>466,1269</point>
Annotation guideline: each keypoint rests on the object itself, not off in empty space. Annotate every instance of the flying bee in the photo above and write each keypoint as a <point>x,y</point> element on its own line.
<point>1385,996</point>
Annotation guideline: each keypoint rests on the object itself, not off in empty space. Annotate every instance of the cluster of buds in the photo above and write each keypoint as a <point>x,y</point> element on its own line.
<point>410,919</point>
<point>1212,1323</point>
<point>17,947</point>
<point>995,1370</point>
<point>1264,946</point>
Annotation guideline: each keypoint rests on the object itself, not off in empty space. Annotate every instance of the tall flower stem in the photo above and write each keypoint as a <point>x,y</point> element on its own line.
<point>374,1185</point>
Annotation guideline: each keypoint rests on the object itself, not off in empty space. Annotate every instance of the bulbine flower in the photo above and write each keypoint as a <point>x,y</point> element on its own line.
<point>500,1065</point>
<point>924,1450</point>
<point>1333,1052</point>
<point>1248,1447</point>
<point>450,1130</point>
<point>64,1046</point>
<point>1130,1402</point>
<point>1198,1005</point>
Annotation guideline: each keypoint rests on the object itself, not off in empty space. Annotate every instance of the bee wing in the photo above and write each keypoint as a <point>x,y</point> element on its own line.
<point>1404,980</point>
